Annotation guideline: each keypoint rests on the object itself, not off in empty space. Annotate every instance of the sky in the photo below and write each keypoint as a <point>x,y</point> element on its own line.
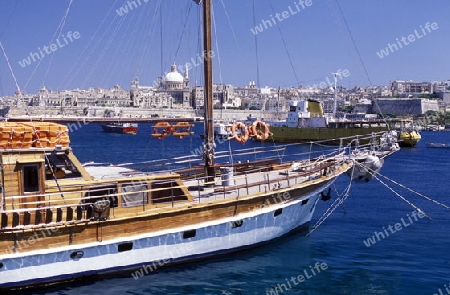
<point>77,44</point>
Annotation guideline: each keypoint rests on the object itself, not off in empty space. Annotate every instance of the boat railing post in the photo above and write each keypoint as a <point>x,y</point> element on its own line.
<point>143,199</point>
<point>223,185</point>
<point>198,189</point>
<point>246,181</point>
<point>287,177</point>
<point>171,192</point>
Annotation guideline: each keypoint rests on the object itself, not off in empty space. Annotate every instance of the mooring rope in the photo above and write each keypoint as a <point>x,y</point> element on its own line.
<point>338,202</point>
<point>374,175</point>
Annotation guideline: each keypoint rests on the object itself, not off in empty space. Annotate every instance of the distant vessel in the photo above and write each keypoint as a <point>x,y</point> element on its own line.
<point>221,131</point>
<point>306,122</point>
<point>122,128</point>
<point>438,145</point>
<point>409,134</point>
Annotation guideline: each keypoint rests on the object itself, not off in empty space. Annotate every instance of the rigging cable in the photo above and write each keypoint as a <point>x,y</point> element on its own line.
<point>285,46</point>
<point>103,52</point>
<point>256,46</point>
<point>10,68</point>
<point>59,28</point>
<point>1,35</point>
<point>355,47</point>
<point>184,29</point>
<point>375,173</point>
<point>235,39</point>
<point>336,204</point>
<point>217,46</point>
<point>88,45</point>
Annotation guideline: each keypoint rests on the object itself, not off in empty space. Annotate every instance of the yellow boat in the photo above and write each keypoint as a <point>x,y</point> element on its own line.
<point>409,134</point>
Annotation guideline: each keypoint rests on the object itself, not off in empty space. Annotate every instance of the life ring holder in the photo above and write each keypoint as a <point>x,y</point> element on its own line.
<point>243,136</point>
<point>262,133</point>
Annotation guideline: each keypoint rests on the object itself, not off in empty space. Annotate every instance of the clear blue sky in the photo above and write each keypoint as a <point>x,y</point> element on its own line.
<point>320,39</point>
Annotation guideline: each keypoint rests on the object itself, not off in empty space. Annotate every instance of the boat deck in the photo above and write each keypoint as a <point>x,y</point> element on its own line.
<point>230,186</point>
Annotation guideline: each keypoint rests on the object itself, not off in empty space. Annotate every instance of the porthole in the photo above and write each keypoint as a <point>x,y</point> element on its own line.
<point>189,234</point>
<point>76,254</point>
<point>237,223</point>
<point>127,246</point>
<point>277,212</point>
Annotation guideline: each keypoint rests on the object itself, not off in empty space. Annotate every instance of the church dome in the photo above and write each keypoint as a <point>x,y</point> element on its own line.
<point>174,76</point>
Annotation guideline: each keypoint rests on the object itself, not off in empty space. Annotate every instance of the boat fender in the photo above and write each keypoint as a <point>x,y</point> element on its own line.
<point>327,196</point>
<point>101,206</point>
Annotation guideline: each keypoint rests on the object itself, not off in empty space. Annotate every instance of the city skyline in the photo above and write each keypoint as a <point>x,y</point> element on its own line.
<point>299,42</point>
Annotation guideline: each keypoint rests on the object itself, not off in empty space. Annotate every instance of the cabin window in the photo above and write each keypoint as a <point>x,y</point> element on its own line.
<point>166,192</point>
<point>58,164</point>
<point>134,194</point>
<point>30,178</point>
<point>102,193</point>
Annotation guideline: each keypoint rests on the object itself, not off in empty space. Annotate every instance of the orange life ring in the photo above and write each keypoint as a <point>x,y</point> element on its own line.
<point>243,135</point>
<point>166,129</point>
<point>182,129</point>
<point>260,130</point>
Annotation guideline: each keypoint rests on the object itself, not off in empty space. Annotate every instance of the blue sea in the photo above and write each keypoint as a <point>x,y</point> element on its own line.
<point>407,254</point>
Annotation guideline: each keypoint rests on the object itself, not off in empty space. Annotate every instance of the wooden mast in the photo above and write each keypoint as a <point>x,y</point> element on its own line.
<point>208,146</point>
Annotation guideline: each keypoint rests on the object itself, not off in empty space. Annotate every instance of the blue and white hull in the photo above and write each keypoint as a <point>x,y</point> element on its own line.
<point>144,253</point>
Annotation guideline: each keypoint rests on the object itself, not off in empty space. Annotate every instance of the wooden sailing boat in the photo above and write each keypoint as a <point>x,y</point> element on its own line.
<point>61,220</point>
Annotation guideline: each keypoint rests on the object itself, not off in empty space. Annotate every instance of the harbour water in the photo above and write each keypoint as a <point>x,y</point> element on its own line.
<point>373,244</point>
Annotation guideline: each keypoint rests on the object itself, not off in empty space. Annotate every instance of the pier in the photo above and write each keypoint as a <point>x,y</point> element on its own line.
<point>105,120</point>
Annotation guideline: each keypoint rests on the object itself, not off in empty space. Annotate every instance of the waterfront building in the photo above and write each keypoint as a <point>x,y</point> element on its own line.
<point>409,88</point>
<point>170,91</point>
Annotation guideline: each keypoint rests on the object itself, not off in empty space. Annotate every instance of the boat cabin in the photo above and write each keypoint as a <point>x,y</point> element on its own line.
<point>43,182</point>
<point>304,114</point>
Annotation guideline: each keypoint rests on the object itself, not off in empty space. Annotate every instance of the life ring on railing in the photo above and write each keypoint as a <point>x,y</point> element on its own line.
<point>260,130</point>
<point>162,129</point>
<point>243,135</point>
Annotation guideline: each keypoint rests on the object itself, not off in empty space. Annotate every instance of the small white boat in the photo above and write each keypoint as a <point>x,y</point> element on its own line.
<point>438,145</point>
<point>221,131</point>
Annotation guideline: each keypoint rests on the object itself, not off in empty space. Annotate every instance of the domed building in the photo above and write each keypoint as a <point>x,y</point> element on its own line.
<point>174,80</point>
<point>177,86</point>
<point>171,91</point>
